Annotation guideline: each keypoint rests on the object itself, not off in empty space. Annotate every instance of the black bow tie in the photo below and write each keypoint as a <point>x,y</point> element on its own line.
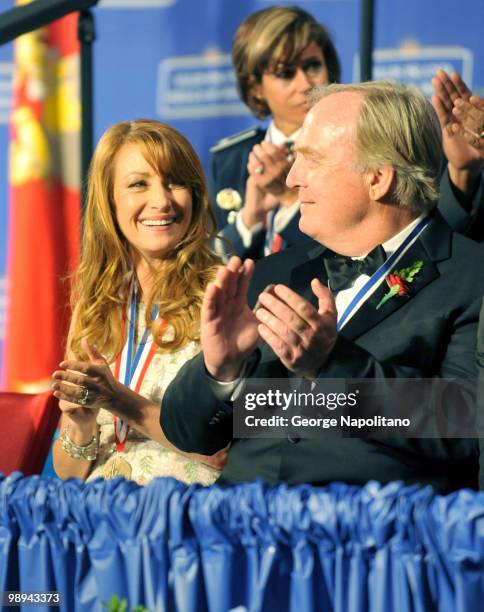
<point>343,271</point>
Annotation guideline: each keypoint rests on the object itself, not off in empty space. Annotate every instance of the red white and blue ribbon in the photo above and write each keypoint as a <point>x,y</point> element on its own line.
<point>133,361</point>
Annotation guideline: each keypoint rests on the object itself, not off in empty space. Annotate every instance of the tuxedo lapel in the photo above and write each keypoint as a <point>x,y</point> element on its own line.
<point>367,316</point>
<point>432,246</point>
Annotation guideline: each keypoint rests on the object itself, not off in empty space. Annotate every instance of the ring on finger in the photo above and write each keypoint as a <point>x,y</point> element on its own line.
<point>259,169</point>
<point>83,399</point>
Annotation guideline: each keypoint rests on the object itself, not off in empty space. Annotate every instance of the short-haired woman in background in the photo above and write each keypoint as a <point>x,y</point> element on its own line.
<point>279,54</point>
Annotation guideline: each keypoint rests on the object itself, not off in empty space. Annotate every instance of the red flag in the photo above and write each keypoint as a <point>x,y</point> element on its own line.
<point>44,172</point>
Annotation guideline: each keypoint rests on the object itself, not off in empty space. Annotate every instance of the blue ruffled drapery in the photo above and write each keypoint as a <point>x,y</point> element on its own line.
<point>249,547</point>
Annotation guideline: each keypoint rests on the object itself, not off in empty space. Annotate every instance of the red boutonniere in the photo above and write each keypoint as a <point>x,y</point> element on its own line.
<point>399,282</point>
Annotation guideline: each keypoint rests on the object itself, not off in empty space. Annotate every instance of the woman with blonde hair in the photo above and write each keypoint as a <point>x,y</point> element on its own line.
<point>136,302</point>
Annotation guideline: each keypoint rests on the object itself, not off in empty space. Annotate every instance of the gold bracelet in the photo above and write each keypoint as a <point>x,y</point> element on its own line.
<point>88,452</point>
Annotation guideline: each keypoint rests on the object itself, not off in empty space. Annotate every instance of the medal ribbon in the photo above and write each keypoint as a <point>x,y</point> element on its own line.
<point>271,235</point>
<point>382,271</point>
<point>273,242</point>
<point>132,363</point>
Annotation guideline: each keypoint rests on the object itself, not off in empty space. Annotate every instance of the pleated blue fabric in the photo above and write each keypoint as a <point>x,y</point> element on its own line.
<point>248,547</point>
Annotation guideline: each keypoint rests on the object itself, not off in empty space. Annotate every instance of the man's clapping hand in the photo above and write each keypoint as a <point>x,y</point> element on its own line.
<point>298,333</point>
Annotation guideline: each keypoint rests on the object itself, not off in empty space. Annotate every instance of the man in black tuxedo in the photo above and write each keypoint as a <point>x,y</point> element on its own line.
<point>366,168</point>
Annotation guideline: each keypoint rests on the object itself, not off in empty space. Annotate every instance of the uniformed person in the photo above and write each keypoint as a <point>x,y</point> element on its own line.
<point>279,54</point>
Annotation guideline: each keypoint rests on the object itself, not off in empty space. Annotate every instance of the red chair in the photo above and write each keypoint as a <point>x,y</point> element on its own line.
<point>28,425</point>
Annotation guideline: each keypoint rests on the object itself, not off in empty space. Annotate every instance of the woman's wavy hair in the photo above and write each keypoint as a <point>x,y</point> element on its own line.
<point>276,35</point>
<point>100,284</point>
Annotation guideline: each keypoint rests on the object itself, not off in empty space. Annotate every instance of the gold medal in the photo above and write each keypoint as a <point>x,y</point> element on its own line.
<point>117,466</point>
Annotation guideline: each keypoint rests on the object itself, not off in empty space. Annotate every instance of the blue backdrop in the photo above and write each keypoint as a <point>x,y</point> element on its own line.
<point>170,59</point>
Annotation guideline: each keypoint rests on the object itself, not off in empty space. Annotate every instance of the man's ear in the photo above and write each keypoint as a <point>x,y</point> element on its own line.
<point>380,182</point>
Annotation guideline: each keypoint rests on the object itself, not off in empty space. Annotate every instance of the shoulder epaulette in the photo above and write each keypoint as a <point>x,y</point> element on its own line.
<point>234,139</point>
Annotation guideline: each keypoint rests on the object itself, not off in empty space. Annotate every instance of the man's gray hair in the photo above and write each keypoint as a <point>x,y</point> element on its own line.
<point>397,126</point>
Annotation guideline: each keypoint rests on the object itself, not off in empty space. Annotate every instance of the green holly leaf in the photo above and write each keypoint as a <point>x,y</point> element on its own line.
<point>409,273</point>
<point>116,604</point>
<point>414,270</point>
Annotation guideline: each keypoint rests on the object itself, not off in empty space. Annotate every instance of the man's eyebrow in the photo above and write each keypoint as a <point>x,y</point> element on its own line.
<point>308,151</point>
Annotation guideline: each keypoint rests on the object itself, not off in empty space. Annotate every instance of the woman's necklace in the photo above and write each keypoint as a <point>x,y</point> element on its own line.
<point>130,367</point>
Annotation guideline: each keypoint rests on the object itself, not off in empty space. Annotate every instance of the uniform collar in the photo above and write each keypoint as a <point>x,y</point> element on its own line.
<point>277,138</point>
